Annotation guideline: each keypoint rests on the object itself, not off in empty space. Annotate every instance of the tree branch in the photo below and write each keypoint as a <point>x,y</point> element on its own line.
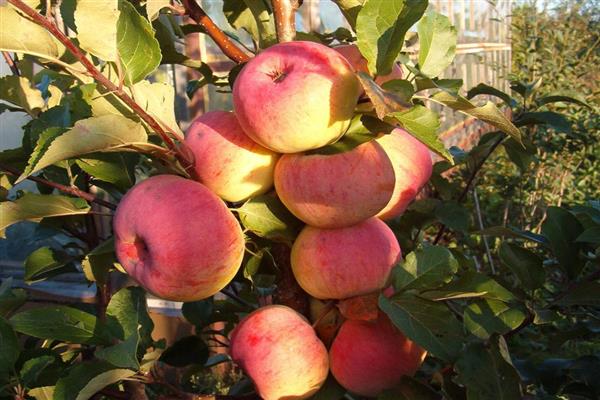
<point>11,63</point>
<point>65,189</point>
<point>284,12</point>
<point>183,156</point>
<point>195,12</point>
<point>463,194</point>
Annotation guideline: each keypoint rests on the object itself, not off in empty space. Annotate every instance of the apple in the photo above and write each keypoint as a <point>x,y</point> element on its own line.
<point>295,96</point>
<point>412,164</point>
<point>345,262</point>
<point>226,160</point>
<point>336,190</point>
<point>280,352</point>
<point>368,357</point>
<point>177,239</point>
<point>360,64</point>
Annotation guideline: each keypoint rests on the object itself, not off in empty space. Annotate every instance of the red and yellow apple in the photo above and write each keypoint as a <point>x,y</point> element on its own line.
<point>359,63</point>
<point>368,357</point>
<point>412,164</point>
<point>279,350</point>
<point>226,160</point>
<point>177,239</point>
<point>345,262</point>
<point>336,190</point>
<point>295,96</point>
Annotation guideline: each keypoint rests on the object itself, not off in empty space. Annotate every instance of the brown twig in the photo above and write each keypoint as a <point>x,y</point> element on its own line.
<point>11,63</point>
<point>180,152</point>
<point>472,177</point>
<point>195,12</point>
<point>65,189</point>
<point>284,12</point>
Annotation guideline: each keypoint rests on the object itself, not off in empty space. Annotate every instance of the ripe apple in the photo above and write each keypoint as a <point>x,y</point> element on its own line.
<point>345,262</point>
<point>336,190</point>
<point>227,161</point>
<point>280,352</point>
<point>368,357</point>
<point>295,96</point>
<point>412,164</point>
<point>177,239</point>
<point>360,64</point>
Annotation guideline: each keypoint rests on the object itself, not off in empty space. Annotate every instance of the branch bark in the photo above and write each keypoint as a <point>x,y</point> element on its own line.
<point>284,12</point>
<point>195,12</point>
<point>65,189</point>
<point>183,156</point>
<point>11,63</point>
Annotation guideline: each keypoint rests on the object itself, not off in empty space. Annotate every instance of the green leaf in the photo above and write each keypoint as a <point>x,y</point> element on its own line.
<point>153,8</point>
<point>96,23</point>
<point>590,235</point>
<point>526,265</point>
<point>401,87</point>
<point>360,130</point>
<point>86,379</point>
<point>19,34</point>
<point>488,113</point>
<point>475,282</point>
<point>350,9</point>
<point>158,100</point>
<point>425,268</point>
<point>453,215</point>
<point>584,294</point>
<point>10,299</point>
<point>487,374</point>
<point>32,368</point>
<point>104,133</point>
<point>20,92</point>
<point>452,86</point>
<point>380,28</point>
<point>60,323</point>
<point>139,50</point>
<point>267,217</point>
<point>423,123</point>
<point>34,207</point>
<point>44,262</point>
<point>562,230</point>
<point>97,263</point>
<point>186,351</point>
<point>484,89</point>
<point>45,392</point>
<point>115,168</point>
<point>557,121</point>
<point>198,313</point>
<point>128,314</point>
<point>485,317</point>
<point>253,16</point>
<point>437,43</point>
<point>431,325</point>
<point>9,348</point>
<point>563,97</point>
<point>384,102</point>
<point>122,354</point>
<point>521,157</point>
<point>510,231</point>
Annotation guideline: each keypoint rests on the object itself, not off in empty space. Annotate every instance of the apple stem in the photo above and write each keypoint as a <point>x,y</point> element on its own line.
<point>227,46</point>
<point>284,12</point>
<point>179,151</point>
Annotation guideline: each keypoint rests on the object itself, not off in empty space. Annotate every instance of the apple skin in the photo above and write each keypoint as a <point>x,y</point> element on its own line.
<point>360,64</point>
<point>412,164</point>
<point>177,239</point>
<point>345,262</point>
<point>337,190</point>
<point>368,357</point>
<point>280,352</point>
<point>226,160</point>
<point>295,96</point>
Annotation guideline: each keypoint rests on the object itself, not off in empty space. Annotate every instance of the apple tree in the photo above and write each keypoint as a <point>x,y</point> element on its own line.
<point>320,235</point>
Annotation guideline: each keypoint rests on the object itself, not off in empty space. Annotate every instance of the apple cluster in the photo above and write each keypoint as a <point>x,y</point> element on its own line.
<point>179,240</point>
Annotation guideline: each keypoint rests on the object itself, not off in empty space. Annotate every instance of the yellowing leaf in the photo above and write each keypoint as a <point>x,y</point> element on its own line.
<point>96,22</point>
<point>20,92</point>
